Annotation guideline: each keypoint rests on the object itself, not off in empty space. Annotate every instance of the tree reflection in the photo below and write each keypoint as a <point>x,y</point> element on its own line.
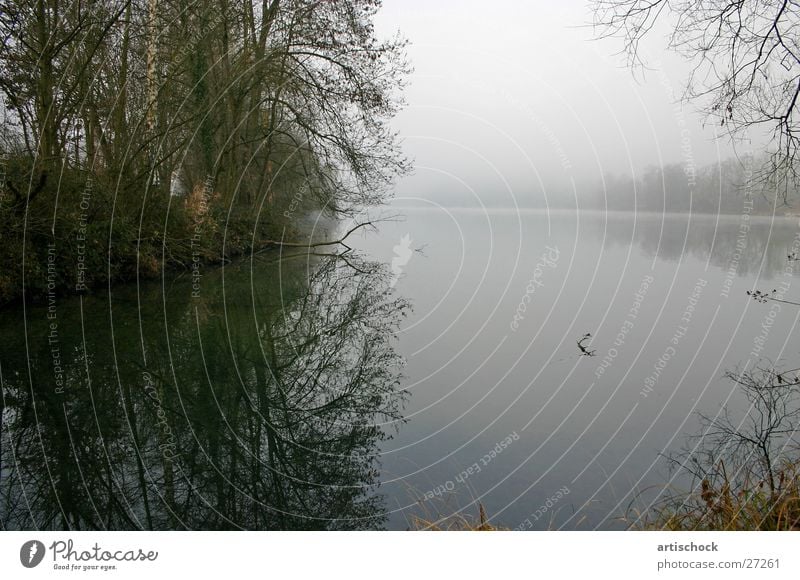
<point>752,245</point>
<point>258,404</point>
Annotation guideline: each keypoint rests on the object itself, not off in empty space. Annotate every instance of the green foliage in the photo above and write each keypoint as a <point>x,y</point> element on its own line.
<point>204,129</point>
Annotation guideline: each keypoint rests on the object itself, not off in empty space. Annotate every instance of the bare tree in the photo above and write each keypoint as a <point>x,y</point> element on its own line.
<point>742,467</point>
<point>746,64</point>
<point>768,432</point>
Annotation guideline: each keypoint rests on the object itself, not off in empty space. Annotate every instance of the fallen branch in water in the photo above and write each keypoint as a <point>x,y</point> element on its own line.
<point>585,351</point>
<point>338,242</point>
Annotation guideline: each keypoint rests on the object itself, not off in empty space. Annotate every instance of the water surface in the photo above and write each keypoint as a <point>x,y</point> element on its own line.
<point>501,300</point>
<point>440,359</point>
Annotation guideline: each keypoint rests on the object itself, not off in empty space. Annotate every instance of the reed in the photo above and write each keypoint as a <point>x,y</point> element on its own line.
<point>458,522</point>
<point>724,502</point>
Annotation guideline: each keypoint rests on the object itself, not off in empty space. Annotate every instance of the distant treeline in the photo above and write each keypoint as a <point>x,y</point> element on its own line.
<point>723,187</point>
<point>143,135</point>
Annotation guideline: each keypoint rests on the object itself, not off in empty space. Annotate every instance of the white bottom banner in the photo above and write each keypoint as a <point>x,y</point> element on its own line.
<point>402,555</point>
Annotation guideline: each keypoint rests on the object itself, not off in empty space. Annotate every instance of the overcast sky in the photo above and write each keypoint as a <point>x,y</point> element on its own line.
<point>516,95</point>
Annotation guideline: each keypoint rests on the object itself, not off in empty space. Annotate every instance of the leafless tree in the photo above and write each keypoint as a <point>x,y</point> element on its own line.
<point>767,432</point>
<point>746,64</point>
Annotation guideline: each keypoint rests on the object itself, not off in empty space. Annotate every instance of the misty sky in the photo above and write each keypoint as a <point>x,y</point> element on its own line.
<point>514,98</point>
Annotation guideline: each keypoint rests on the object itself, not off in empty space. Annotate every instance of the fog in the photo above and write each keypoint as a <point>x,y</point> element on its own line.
<point>212,321</point>
<point>519,102</point>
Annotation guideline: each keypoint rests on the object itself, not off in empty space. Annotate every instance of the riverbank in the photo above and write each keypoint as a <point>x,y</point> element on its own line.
<point>89,239</point>
<point>726,505</point>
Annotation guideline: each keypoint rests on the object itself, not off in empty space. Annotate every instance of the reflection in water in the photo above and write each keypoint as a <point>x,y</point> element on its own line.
<point>759,243</point>
<point>475,378</point>
<point>256,405</point>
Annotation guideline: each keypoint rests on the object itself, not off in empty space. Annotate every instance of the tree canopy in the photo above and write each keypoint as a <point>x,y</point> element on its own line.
<point>189,113</point>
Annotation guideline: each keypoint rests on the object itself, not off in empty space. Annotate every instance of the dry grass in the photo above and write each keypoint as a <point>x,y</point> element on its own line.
<point>459,522</point>
<point>744,468</point>
<point>747,504</point>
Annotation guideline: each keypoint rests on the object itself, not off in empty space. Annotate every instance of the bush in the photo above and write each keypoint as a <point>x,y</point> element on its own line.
<point>744,470</point>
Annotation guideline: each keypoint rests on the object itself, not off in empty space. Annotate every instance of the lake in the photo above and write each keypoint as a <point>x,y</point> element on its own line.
<point>443,363</point>
<point>593,425</point>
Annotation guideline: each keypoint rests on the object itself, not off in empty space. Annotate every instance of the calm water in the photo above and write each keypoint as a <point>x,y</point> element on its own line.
<point>586,425</point>
<point>270,394</point>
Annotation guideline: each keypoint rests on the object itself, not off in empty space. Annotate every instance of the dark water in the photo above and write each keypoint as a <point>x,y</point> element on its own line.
<point>271,394</point>
<point>245,399</point>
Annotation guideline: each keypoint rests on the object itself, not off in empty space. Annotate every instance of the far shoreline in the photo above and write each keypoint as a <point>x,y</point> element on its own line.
<point>571,210</point>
